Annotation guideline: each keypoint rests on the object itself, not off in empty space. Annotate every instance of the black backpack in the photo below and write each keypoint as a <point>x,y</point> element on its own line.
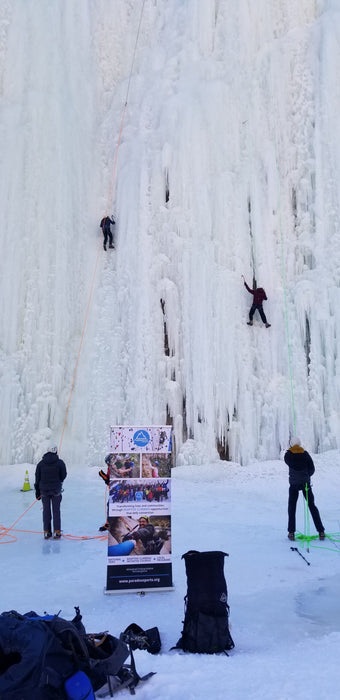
<point>206,621</point>
<point>33,662</point>
<point>38,655</point>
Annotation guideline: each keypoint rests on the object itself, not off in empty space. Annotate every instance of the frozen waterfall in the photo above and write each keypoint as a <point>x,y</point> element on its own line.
<point>227,165</point>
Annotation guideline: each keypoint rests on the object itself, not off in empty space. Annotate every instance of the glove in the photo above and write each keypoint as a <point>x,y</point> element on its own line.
<point>127,537</point>
<point>37,495</point>
<point>104,476</point>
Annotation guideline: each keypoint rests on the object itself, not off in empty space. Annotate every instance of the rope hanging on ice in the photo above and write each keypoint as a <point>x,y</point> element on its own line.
<point>4,531</point>
<point>110,198</point>
<point>252,245</point>
<point>277,160</point>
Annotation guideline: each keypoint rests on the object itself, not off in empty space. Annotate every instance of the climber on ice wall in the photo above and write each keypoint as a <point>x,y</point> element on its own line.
<point>259,296</point>
<point>105,225</point>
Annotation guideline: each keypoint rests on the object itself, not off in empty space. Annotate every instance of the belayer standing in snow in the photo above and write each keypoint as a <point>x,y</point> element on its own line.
<point>259,296</point>
<point>301,468</point>
<point>49,476</point>
<point>105,225</point>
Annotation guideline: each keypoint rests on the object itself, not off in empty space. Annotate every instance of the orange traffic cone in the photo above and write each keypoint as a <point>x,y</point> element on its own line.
<point>27,485</point>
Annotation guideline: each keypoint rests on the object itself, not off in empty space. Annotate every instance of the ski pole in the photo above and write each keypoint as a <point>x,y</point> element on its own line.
<point>295,549</point>
<point>307,517</point>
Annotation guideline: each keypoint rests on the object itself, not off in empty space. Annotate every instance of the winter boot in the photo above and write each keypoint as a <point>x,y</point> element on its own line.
<point>105,527</point>
<point>268,325</point>
<point>104,246</point>
<point>111,246</point>
<point>291,536</point>
<point>57,535</point>
<point>322,535</point>
<point>249,323</point>
<point>47,534</point>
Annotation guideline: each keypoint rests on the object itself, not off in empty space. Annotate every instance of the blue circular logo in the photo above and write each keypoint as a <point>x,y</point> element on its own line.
<point>141,438</point>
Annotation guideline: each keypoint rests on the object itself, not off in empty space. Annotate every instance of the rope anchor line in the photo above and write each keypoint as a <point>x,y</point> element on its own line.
<point>110,198</point>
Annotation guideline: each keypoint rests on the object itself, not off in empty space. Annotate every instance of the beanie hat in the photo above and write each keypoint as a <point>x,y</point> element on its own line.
<point>53,449</point>
<point>294,441</point>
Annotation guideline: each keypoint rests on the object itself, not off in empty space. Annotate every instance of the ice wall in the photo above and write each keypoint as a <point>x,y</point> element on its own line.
<point>227,165</point>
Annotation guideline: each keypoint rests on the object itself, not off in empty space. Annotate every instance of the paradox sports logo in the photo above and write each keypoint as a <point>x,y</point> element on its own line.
<point>141,438</point>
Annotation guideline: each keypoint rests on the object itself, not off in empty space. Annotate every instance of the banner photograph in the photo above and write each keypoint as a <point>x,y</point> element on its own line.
<point>139,509</point>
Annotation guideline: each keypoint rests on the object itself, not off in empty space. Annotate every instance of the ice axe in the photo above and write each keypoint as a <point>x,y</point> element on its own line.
<point>129,529</point>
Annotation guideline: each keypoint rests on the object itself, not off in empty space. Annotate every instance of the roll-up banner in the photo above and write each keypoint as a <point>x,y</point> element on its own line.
<point>139,510</point>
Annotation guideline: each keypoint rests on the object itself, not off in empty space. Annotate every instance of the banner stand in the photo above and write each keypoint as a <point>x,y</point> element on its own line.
<point>142,592</point>
<point>139,548</point>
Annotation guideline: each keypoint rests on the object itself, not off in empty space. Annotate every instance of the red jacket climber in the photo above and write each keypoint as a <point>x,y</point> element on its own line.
<point>259,296</point>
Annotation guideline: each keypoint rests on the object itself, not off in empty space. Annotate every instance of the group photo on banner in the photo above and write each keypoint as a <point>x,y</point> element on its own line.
<point>139,509</point>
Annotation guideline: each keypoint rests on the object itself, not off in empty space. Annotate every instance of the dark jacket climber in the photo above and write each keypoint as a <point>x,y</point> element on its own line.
<point>49,476</point>
<point>259,296</point>
<point>105,225</point>
<point>301,468</point>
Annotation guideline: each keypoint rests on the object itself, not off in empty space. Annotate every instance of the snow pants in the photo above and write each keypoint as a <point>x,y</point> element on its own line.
<point>259,308</point>
<point>292,501</point>
<point>107,235</point>
<point>51,506</point>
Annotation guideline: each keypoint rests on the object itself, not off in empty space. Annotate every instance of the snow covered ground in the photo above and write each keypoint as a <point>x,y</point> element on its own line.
<point>285,615</point>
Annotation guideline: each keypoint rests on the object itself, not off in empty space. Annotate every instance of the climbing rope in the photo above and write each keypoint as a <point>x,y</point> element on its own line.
<point>305,539</point>
<point>250,151</point>
<point>110,200</point>
<point>252,239</point>
<point>285,299</point>
<point>308,541</point>
<point>277,159</point>
<point>111,188</point>
<point>7,531</point>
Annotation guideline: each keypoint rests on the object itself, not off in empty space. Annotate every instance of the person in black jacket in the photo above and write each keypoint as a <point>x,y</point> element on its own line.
<point>49,476</point>
<point>105,225</point>
<point>301,468</point>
